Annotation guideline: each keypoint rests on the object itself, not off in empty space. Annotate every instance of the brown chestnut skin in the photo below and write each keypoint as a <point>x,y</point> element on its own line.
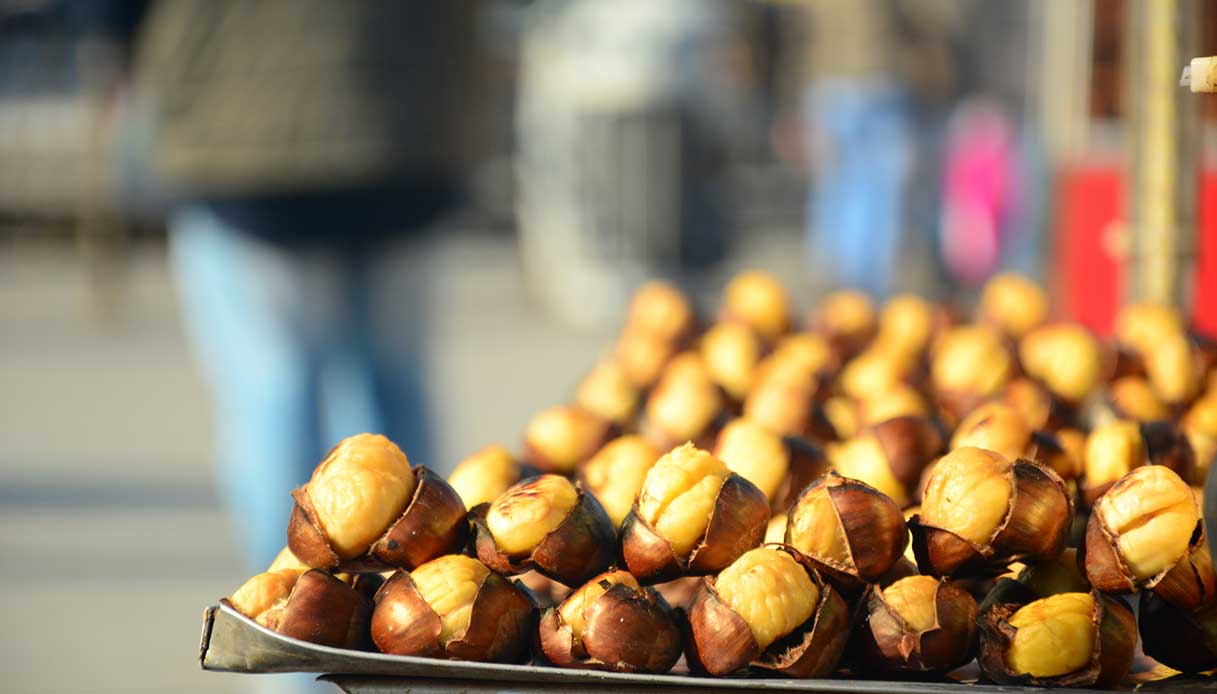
<point>500,622</point>
<point>910,443</point>
<point>432,525</point>
<point>887,641</point>
<point>627,630</point>
<point>1036,524</point>
<point>1167,445</point>
<point>580,547</point>
<point>1115,638</point>
<point>322,609</point>
<point>871,524</point>
<point>737,524</point>
<point>720,642</point>
<point>1180,639</point>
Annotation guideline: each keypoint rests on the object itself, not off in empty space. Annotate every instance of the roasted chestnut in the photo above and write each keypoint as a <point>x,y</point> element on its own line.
<point>615,474</point>
<point>906,324</point>
<point>1185,640</point>
<point>1139,326</point>
<point>1173,369</point>
<point>684,405</point>
<point>1112,451</point>
<point>980,512</point>
<point>969,364</point>
<point>548,524</point>
<point>759,301</point>
<point>1065,357</point>
<point>890,456</point>
<point>769,610</point>
<point>797,357</point>
<point>559,438</point>
<point>484,475</point>
<point>642,356</point>
<point>1012,303</point>
<point>307,604</point>
<point>365,509</point>
<point>847,318</point>
<point>662,311</point>
<point>453,607</point>
<point>1033,402</point>
<point>1200,427</point>
<point>693,516</point>
<point>611,623</point>
<point>1132,397</point>
<point>1060,574</point>
<point>1064,640</point>
<point>994,426</point>
<point>873,372</point>
<point>918,624</point>
<point>755,453</point>
<point>785,407</point>
<point>607,392</point>
<point>851,532</point>
<point>1146,533</point>
<point>731,352</point>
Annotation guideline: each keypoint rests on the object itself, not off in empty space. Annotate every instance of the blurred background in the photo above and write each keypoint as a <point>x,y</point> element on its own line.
<point>233,232</point>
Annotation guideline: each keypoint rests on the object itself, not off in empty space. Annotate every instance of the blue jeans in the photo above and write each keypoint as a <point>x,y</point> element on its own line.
<point>856,206</point>
<point>299,351</point>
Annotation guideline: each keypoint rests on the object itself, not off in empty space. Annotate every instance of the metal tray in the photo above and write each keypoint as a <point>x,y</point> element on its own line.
<point>232,642</point>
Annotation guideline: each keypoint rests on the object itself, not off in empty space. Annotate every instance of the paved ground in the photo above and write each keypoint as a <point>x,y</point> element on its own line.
<point>111,538</point>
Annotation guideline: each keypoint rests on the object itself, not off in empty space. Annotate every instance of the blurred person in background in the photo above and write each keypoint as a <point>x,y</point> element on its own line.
<point>298,141</point>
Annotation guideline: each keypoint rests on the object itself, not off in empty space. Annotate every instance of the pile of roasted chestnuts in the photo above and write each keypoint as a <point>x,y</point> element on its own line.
<point>877,491</point>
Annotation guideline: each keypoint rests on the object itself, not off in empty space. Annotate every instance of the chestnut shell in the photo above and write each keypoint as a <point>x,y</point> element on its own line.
<point>433,524</point>
<point>1188,584</point>
<point>500,622</point>
<point>323,610</point>
<point>1115,644</point>
<point>581,547</point>
<point>720,641</point>
<point>1036,525</point>
<point>1177,638</point>
<point>627,631</point>
<point>887,642</point>
<point>910,443</point>
<point>737,524</point>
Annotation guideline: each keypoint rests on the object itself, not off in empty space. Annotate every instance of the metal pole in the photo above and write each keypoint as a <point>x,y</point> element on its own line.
<point>1162,137</point>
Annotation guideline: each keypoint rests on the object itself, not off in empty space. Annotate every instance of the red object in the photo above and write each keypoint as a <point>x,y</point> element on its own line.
<point>1088,247</point>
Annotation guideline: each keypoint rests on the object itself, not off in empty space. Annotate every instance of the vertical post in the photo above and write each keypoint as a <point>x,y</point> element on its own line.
<point>1062,38</point>
<point>1162,138</point>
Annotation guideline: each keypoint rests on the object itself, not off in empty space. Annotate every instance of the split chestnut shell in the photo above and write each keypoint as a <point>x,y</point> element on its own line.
<point>624,628</point>
<point>918,624</point>
<point>320,609</point>
<point>432,524</point>
<point>579,546</point>
<point>500,622</point>
<point>721,641</point>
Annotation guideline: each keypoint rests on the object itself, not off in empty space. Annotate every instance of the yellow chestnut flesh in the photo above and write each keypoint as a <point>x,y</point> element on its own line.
<point>970,359</point>
<point>862,458</point>
<point>758,300</point>
<point>264,592</point>
<point>523,515</point>
<point>449,585</point>
<point>660,310</point>
<point>871,373</point>
<point>814,528</point>
<point>906,323</point>
<point>994,426</point>
<point>782,408</point>
<point>564,435</point>
<point>286,560</point>
<point>1172,368</point>
<point>1140,326</point>
<point>361,487</point>
<point>616,473</point>
<point>1112,451</point>
<point>846,312</point>
<point>679,493</point>
<point>915,599</point>
<point>686,400</point>
<point>754,453</point>
<point>968,493</point>
<point>1137,399</point>
<point>1031,401</point>
<point>802,352</point>
<point>483,476</point>
<point>1065,357</point>
<point>776,530</point>
<point>770,591</point>
<point>901,400</point>
<point>573,610</point>
<point>642,356</point>
<point>1152,514</point>
<point>1054,637</point>
<point>731,353</point>
<point>606,391</point>
<point>1014,303</point>
<point>843,415</point>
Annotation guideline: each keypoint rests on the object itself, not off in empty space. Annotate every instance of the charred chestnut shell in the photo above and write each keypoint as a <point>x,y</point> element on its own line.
<point>886,641</point>
<point>580,547</point>
<point>627,631</point>
<point>432,525</point>
<point>720,641</point>
<point>500,622</point>
<point>1115,640</point>
<point>737,524</point>
<point>1036,525</point>
<point>326,611</point>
